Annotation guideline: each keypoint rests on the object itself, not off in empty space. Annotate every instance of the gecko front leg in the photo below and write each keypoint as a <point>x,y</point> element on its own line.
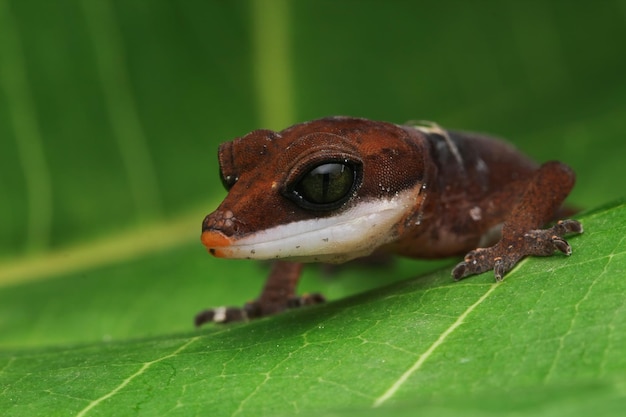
<point>521,235</point>
<point>278,295</point>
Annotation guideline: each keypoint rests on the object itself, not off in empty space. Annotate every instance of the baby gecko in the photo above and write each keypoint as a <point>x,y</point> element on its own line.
<point>339,188</point>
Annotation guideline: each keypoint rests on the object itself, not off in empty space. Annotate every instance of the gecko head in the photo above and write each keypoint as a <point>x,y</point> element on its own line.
<point>329,190</point>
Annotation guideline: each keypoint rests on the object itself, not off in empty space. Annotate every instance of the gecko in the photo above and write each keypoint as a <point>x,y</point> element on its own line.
<point>339,188</point>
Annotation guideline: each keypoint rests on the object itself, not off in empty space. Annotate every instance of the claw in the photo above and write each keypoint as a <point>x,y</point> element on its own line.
<point>562,245</point>
<point>499,269</point>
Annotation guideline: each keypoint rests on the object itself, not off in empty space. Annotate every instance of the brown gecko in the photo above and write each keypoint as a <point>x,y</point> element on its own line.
<point>340,188</point>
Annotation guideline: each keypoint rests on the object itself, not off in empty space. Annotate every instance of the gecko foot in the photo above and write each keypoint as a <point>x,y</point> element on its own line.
<point>254,310</point>
<point>505,254</point>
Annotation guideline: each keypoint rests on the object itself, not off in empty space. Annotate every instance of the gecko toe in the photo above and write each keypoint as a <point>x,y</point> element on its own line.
<point>562,245</point>
<point>306,300</point>
<point>255,309</point>
<point>499,269</point>
<point>220,315</point>
<point>459,271</point>
<point>569,226</point>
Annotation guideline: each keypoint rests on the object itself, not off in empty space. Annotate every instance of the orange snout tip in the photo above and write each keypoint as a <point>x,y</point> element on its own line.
<point>215,242</point>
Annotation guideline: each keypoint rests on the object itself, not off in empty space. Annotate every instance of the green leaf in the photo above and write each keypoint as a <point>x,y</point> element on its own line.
<point>549,339</point>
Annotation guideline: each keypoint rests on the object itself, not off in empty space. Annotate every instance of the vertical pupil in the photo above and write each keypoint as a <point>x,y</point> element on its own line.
<point>326,183</point>
<point>327,173</point>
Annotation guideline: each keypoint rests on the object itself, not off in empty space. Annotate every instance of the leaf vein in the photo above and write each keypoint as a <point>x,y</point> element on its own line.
<point>424,356</point>
<point>267,378</point>
<point>562,338</point>
<point>128,380</point>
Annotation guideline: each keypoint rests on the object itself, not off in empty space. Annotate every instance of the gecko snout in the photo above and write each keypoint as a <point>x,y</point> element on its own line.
<point>222,221</point>
<point>217,230</point>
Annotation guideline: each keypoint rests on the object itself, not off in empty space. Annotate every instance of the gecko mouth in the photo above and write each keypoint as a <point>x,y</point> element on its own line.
<point>354,233</point>
<point>215,242</point>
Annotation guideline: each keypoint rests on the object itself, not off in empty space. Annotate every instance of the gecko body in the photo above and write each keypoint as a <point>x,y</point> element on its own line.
<point>340,188</point>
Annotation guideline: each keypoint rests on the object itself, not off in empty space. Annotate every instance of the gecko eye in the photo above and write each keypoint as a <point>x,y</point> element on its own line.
<point>325,187</point>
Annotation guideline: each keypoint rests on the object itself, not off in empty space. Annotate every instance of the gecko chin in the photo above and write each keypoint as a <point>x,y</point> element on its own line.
<point>355,232</point>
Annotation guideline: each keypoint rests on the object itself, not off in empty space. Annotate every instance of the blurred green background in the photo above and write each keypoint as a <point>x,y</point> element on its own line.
<point>111,111</point>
